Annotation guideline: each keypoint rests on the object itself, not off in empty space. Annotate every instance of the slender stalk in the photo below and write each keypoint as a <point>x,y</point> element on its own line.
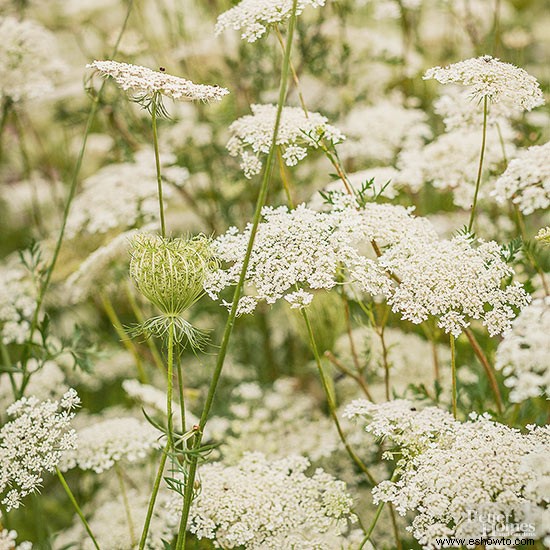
<point>330,400</point>
<point>385,361</point>
<point>128,343</point>
<point>72,191</point>
<point>453,371</point>
<point>487,367</point>
<point>293,72</point>
<point>152,500</point>
<point>372,525</point>
<point>154,107</point>
<point>395,528</point>
<point>170,376</point>
<point>181,396</point>
<point>262,196</point>
<point>76,506</point>
<point>480,167</point>
<point>126,504</point>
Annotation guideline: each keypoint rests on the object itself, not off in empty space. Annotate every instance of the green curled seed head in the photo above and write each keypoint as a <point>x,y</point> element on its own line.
<point>170,273</point>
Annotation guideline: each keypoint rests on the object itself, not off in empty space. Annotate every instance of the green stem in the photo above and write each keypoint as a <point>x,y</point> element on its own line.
<point>76,506</point>
<point>262,196</point>
<point>126,505</point>
<point>157,163</point>
<point>72,191</point>
<point>153,498</point>
<point>372,525</point>
<point>489,371</point>
<point>480,167</point>
<point>170,375</point>
<point>453,371</point>
<point>330,399</point>
<point>181,396</point>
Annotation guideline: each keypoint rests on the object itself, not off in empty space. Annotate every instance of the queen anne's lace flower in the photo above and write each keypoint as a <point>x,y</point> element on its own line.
<point>251,135</point>
<point>102,445</point>
<point>491,78</point>
<point>148,83</point>
<point>29,63</point>
<point>526,180</point>
<point>262,504</point>
<point>32,443</point>
<point>524,353</point>
<point>309,249</point>
<point>171,273</point>
<point>450,279</point>
<point>455,281</point>
<point>449,468</point>
<point>402,421</point>
<point>254,17</point>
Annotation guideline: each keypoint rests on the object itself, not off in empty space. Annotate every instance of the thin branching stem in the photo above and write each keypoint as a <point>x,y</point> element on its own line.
<point>480,167</point>
<point>453,372</point>
<point>76,506</point>
<point>154,493</point>
<point>154,109</point>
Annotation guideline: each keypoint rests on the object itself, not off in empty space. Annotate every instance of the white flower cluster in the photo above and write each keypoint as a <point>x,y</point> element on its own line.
<point>251,135</point>
<point>17,304</point>
<point>451,279</point>
<point>29,63</point>
<point>381,131</point>
<point>451,162</point>
<point>146,82</point>
<point>306,248</point>
<point>103,444</point>
<point>33,442</point>
<point>254,17</point>
<point>278,422</point>
<point>524,353</point>
<point>8,541</point>
<point>117,196</point>
<point>262,504</point>
<point>476,465</point>
<point>455,281</point>
<point>491,78</point>
<point>402,421</point>
<point>526,180</point>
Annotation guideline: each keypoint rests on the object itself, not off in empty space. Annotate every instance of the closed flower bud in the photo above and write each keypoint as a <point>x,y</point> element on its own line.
<point>171,273</point>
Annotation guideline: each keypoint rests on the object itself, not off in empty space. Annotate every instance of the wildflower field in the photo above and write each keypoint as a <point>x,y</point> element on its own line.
<point>274,274</point>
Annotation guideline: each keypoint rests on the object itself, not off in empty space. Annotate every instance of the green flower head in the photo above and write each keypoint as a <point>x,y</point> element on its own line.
<point>170,273</point>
